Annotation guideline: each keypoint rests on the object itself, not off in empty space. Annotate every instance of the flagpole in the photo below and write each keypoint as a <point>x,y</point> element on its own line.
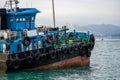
<point>54,23</point>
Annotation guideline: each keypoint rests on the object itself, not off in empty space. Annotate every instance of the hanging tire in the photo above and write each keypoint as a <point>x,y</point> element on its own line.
<point>37,55</point>
<point>88,54</point>
<point>75,47</point>
<point>16,64</point>
<point>65,50</point>
<point>30,57</point>
<point>84,46</point>
<point>71,50</point>
<point>53,55</point>
<point>58,51</point>
<point>26,41</point>
<point>25,55</point>
<point>91,46</point>
<point>9,61</point>
<point>80,47</point>
<point>43,57</point>
<point>91,41</point>
<point>92,38</point>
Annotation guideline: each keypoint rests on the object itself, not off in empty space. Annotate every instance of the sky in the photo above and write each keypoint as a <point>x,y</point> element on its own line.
<point>71,12</point>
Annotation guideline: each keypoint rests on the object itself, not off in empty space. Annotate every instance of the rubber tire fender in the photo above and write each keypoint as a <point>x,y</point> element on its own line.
<point>16,63</point>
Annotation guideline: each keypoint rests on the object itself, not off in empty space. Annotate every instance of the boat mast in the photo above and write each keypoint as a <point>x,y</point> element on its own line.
<point>54,22</point>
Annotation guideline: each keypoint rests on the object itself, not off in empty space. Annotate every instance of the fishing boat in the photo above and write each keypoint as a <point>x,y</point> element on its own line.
<point>24,47</point>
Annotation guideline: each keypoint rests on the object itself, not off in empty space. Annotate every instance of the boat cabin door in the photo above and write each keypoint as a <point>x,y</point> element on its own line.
<point>29,23</point>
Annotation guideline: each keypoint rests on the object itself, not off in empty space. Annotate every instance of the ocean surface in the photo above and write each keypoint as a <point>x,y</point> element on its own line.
<point>105,65</point>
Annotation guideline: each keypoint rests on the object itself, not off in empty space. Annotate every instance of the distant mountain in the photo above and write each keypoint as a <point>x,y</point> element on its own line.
<point>101,29</point>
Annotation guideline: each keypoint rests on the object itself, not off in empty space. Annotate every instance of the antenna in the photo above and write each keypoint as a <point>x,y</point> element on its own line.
<point>16,3</point>
<point>54,23</point>
<point>11,4</point>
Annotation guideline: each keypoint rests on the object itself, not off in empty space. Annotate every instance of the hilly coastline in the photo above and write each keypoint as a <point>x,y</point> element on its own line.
<point>101,29</point>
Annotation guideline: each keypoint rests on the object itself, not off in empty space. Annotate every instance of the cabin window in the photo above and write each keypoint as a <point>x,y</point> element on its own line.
<point>20,19</point>
<point>17,20</point>
<point>33,18</point>
<point>24,19</point>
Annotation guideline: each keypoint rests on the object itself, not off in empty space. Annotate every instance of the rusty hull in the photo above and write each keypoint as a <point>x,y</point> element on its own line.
<point>73,62</point>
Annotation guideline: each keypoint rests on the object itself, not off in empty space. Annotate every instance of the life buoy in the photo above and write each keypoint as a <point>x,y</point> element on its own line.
<point>26,41</point>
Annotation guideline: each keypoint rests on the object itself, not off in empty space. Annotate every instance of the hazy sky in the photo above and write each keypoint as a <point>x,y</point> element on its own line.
<point>81,12</point>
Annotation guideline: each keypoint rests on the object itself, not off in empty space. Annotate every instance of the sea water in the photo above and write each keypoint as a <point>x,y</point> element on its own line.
<point>105,65</point>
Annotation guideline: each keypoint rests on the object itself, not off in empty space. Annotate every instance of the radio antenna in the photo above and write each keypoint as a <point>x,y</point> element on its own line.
<point>11,4</point>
